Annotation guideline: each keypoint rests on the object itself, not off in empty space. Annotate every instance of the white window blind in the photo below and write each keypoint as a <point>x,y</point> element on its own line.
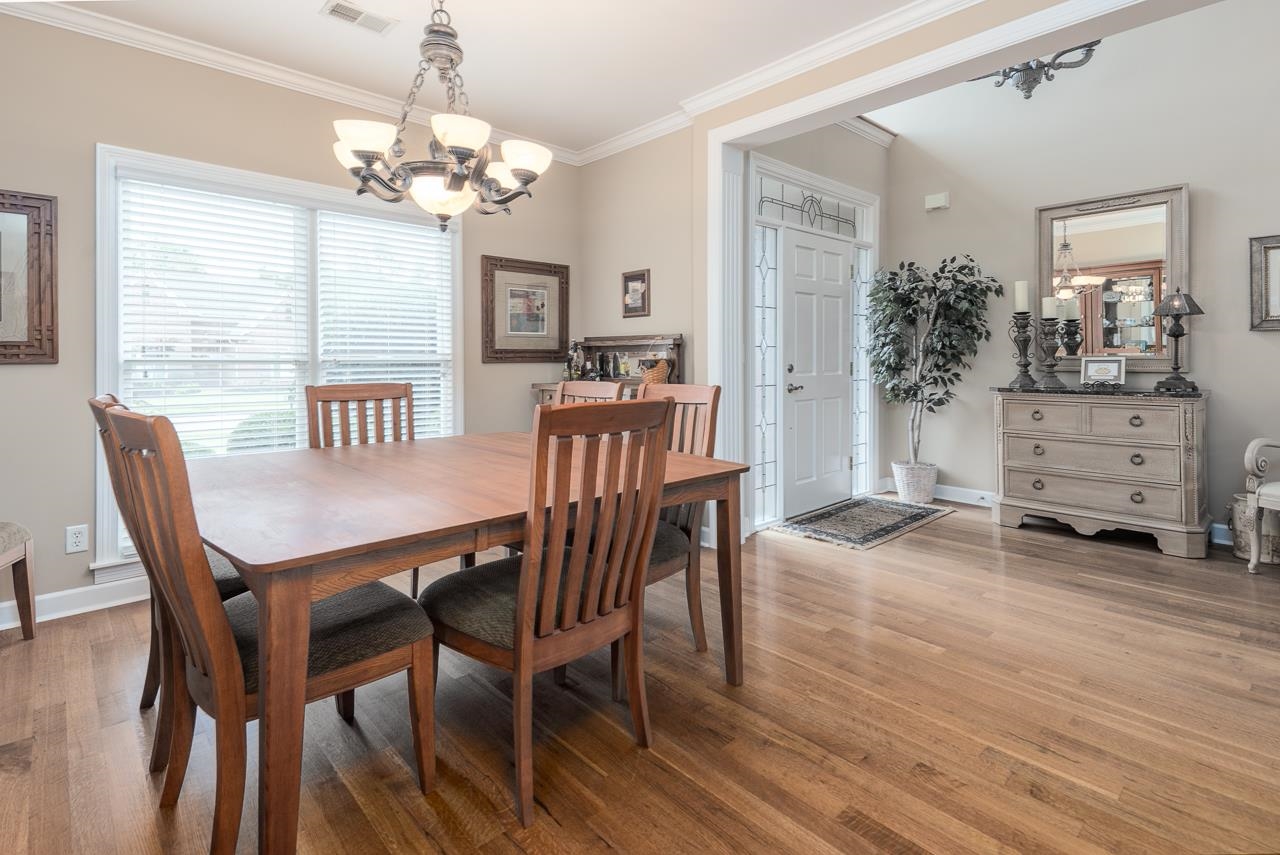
<point>225,307</point>
<point>386,311</point>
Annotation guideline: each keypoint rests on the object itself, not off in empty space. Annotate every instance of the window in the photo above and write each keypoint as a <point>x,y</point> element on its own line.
<point>221,299</point>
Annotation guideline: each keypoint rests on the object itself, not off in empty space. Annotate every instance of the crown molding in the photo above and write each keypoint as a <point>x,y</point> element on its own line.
<point>659,127</point>
<point>869,130</point>
<point>843,44</point>
<point>132,35</point>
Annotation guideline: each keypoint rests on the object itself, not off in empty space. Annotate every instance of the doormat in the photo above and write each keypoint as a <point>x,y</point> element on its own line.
<point>862,523</point>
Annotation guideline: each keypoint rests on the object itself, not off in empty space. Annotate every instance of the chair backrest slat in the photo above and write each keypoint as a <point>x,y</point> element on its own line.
<point>156,495</point>
<point>599,466</point>
<point>587,392</point>
<point>693,432</point>
<point>370,401</point>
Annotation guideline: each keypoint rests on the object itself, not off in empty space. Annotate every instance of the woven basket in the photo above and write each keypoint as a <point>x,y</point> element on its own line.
<point>915,481</point>
<point>657,374</point>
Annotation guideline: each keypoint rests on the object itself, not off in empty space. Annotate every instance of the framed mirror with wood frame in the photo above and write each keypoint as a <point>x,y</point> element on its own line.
<point>28,278</point>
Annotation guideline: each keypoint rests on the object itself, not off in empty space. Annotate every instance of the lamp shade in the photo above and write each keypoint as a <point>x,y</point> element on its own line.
<point>462,132</point>
<point>432,196</point>
<point>520,154</point>
<point>345,157</point>
<point>1178,303</point>
<point>359,135</point>
<point>501,173</point>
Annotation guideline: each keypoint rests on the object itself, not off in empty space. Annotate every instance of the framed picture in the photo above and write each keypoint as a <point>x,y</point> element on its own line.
<point>635,294</point>
<point>1264,283</point>
<point>28,278</point>
<point>524,307</point>
<point>1102,369</point>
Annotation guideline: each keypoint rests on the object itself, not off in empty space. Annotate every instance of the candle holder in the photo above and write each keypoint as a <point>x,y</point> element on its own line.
<point>1071,337</point>
<point>1048,348</point>
<point>1020,335</point>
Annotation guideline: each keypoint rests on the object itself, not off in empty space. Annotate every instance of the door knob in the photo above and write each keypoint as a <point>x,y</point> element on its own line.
<point>791,388</point>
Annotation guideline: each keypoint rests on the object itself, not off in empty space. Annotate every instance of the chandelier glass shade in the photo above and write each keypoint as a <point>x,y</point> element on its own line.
<point>459,171</point>
<point>1068,281</point>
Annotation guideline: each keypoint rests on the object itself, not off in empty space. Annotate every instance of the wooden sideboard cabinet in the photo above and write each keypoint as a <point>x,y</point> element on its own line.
<point>1105,461</point>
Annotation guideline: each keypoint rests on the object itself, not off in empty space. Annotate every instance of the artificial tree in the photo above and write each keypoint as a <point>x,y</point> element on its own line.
<point>925,326</point>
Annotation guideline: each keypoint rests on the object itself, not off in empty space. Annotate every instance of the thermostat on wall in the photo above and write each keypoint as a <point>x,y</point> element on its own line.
<point>937,201</point>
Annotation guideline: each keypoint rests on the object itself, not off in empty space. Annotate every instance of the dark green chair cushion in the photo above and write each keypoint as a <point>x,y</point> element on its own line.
<point>345,628</point>
<point>226,577</point>
<point>481,601</point>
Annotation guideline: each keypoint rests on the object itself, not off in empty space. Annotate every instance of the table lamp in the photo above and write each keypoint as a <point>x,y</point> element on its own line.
<point>1176,306</point>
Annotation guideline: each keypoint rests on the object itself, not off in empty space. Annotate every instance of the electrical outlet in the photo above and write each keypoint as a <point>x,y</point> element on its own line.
<point>77,538</point>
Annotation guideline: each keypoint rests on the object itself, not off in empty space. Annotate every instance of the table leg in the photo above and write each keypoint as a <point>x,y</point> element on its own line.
<point>284,627</point>
<point>729,566</point>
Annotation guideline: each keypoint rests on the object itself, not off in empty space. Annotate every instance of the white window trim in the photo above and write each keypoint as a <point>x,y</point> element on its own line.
<point>114,162</point>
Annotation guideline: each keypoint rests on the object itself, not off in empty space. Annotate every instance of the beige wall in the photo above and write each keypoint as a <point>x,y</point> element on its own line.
<point>64,94</point>
<point>638,216</point>
<point>1158,113</point>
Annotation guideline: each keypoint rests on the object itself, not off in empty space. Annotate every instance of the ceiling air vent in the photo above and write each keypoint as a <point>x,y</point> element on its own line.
<point>344,10</point>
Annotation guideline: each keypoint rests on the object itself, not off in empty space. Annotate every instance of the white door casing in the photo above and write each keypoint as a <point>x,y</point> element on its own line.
<point>817,394</point>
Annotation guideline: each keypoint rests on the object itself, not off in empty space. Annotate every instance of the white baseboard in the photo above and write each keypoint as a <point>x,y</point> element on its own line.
<point>947,493</point>
<point>74,601</point>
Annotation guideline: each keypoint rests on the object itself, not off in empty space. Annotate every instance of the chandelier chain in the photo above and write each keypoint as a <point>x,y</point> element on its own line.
<point>409,100</point>
<point>438,13</point>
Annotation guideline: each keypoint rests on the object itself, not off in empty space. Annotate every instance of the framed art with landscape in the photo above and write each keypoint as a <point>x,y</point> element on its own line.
<point>524,310</point>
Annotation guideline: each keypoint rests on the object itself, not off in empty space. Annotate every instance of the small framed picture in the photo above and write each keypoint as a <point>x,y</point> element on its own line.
<point>635,294</point>
<point>1102,369</point>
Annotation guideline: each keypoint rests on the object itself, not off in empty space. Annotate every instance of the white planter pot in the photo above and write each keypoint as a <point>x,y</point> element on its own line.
<point>915,481</point>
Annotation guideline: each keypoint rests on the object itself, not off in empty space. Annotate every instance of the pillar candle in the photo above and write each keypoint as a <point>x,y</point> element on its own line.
<point>1071,309</point>
<point>1021,298</point>
<point>1049,307</point>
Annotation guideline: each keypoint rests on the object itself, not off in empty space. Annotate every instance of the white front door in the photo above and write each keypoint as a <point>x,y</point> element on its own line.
<point>817,395</point>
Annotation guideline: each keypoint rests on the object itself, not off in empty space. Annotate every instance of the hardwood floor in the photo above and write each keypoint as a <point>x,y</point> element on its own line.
<point>963,688</point>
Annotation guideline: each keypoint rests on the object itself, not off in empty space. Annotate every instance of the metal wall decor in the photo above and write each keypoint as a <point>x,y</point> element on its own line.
<point>810,209</point>
<point>460,171</point>
<point>1028,75</point>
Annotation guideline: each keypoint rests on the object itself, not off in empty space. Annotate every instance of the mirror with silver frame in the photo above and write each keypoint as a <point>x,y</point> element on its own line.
<point>1109,261</point>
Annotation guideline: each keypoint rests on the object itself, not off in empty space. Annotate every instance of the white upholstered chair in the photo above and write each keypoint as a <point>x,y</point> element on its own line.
<point>1263,495</point>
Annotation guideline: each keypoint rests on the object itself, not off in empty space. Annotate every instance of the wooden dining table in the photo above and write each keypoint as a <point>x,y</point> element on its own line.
<point>304,525</point>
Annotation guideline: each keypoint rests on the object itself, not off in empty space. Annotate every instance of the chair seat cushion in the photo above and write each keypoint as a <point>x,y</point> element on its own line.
<point>481,601</point>
<point>12,536</point>
<point>1269,494</point>
<point>669,543</point>
<point>345,628</point>
<point>226,577</point>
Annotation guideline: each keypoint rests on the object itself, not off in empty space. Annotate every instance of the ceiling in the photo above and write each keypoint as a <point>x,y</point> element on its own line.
<point>573,73</point>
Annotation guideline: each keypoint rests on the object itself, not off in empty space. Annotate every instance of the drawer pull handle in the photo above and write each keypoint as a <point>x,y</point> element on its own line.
<point>1135,420</point>
<point>1037,484</point>
<point>1136,459</point>
<point>1136,497</point>
<point>1036,415</point>
<point>1037,449</point>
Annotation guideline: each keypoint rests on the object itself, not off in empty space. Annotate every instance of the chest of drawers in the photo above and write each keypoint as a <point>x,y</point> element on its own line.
<point>1100,461</point>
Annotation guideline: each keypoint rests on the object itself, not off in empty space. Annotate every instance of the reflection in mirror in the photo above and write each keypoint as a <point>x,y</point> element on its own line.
<point>1112,265</point>
<point>13,276</point>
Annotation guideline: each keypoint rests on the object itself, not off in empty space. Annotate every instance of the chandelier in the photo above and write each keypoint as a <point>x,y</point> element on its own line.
<point>459,172</point>
<point>1028,75</point>
<point>1069,282</point>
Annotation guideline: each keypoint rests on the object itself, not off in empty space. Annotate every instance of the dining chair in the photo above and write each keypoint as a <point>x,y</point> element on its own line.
<point>586,391</point>
<point>17,550</point>
<point>211,646</point>
<point>360,413</point>
<point>226,580</point>
<point>564,597</point>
